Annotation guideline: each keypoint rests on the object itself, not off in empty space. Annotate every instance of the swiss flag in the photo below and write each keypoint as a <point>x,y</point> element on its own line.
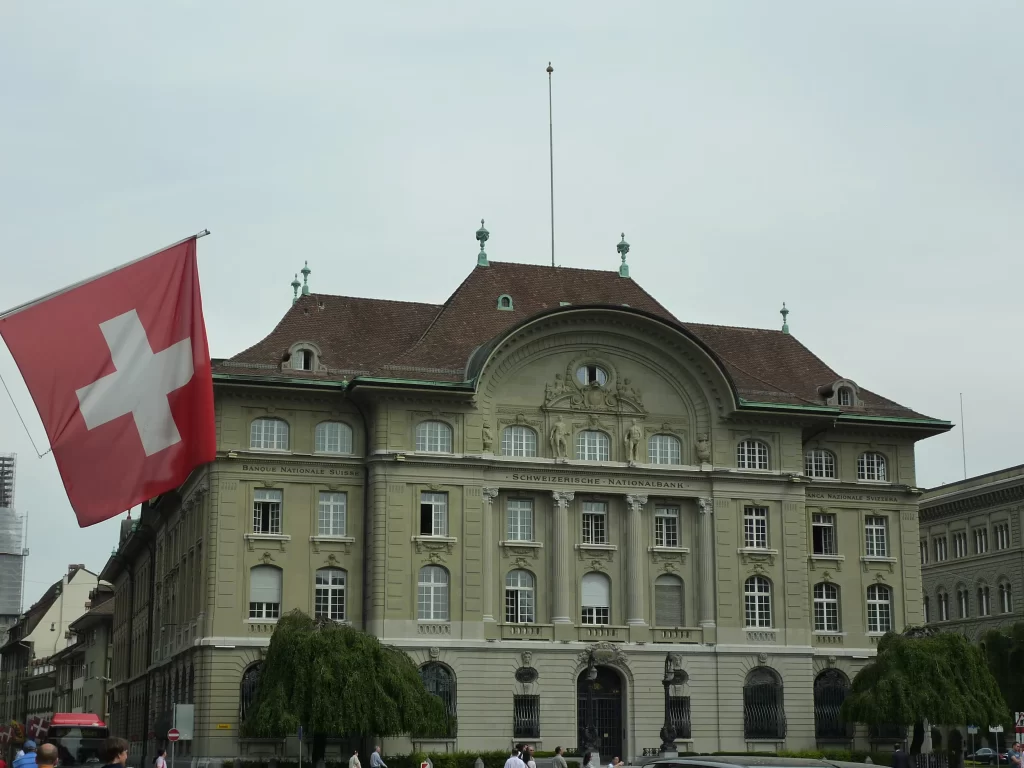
<point>119,370</point>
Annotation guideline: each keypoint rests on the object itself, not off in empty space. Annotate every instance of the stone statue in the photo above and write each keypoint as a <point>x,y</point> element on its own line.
<point>703,449</point>
<point>560,439</point>
<point>488,438</point>
<point>634,438</point>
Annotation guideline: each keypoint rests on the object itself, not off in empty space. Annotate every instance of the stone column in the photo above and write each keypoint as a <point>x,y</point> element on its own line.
<point>489,547</point>
<point>706,556</point>
<point>563,588</point>
<point>636,556</point>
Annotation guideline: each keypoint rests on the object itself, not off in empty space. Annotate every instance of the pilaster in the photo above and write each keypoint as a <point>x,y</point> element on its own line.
<point>564,587</point>
<point>490,625</point>
<point>636,578</point>
<point>706,566</point>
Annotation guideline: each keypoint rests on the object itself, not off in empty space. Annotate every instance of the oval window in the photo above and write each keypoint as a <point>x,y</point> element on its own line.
<point>591,374</point>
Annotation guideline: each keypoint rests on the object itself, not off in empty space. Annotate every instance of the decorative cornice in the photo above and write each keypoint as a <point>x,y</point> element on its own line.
<point>993,498</point>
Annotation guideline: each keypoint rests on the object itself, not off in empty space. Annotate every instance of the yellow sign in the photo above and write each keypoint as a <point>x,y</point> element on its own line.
<point>223,726</point>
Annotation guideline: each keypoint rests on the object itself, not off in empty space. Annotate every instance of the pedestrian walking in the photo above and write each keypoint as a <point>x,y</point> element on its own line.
<point>115,753</point>
<point>558,761</point>
<point>376,761</point>
<point>514,760</point>
<point>46,756</point>
<point>28,756</point>
<point>528,757</point>
<point>353,762</point>
<point>160,761</point>
<point>900,759</point>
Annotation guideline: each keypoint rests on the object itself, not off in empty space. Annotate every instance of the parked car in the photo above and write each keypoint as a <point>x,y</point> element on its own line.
<point>988,756</point>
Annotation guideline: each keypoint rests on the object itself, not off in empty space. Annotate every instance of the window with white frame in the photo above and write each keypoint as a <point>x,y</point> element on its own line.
<point>941,549</point>
<point>432,600</point>
<point>596,599</point>
<point>519,597</point>
<point>333,437</point>
<point>752,454</point>
<point>823,534</point>
<point>592,445</point>
<point>984,606</point>
<point>1001,533</point>
<point>755,527</point>
<point>879,608</point>
<point>962,604</point>
<point>268,435</point>
<point>871,467</point>
<point>875,536</point>
<point>845,396</point>
<point>666,526</point>
<point>1005,600</point>
<point>943,606</point>
<point>826,607</point>
<point>924,552</point>
<point>329,594</point>
<point>664,449</point>
<point>820,463</point>
<point>980,541</point>
<point>518,441</point>
<point>960,544</point>
<point>266,511</point>
<point>332,513</point>
<point>757,600</point>
<point>433,514</point>
<point>595,522</point>
<point>591,374</point>
<point>433,437</point>
<point>265,592</point>
<point>519,517</point>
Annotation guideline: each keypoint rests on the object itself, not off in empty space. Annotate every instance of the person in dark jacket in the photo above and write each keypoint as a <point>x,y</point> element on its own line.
<point>115,753</point>
<point>900,759</point>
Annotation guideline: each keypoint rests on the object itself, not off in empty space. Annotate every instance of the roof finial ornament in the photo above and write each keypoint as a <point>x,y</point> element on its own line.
<point>785,314</point>
<point>482,235</point>
<point>305,279</point>
<point>295,288</point>
<point>623,249</point>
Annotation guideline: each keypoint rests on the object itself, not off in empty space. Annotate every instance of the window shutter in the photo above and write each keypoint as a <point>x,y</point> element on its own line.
<point>265,584</point>
<point>668,603</point>
<point>596,591</point>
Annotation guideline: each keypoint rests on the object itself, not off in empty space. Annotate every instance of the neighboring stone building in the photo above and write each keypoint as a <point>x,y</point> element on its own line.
<point>27,681</point>
<point>12,547</point>
<point>82,670</point>
<point>545,488</point>
<point>972,562</point>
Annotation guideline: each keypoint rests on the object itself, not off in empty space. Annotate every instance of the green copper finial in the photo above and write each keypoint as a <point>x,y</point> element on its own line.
<point>482,235</point>
<point>295,288</point>
<point>623,249</point>
<point>305,279</point>
<point>785,314</point>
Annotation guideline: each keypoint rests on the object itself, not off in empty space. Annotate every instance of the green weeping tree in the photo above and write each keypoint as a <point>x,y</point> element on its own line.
<point>1004,652</point>
<point>925,676</point>
<point>338,682</point>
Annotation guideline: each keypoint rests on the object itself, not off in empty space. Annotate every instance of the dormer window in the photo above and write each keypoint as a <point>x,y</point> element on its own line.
<point>845,396</point>
<point>305,360</point>
<point>841,394</point>
<point>303,356</point>
<point>591,374</point>
<point>505,302</point>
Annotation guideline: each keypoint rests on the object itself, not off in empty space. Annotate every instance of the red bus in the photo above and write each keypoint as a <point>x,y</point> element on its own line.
<point>78,737</point>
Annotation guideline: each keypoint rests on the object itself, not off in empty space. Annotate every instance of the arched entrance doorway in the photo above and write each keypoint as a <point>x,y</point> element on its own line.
<point>601,700</point>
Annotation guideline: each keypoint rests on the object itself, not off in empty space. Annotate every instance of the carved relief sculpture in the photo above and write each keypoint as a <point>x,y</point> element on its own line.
<point>488,438</point>
<point>560,439</point>
<point>634,439</point>
<point>703,449</point>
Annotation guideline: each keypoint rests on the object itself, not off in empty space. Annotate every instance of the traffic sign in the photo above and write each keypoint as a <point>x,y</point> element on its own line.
<point>1018,721</point>
<point>173,735</point>
<point>995,729</point>
<point>972,729</point>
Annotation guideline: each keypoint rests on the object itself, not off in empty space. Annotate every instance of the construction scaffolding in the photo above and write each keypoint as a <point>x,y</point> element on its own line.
<point>7,462</point>
<point>12,561</point>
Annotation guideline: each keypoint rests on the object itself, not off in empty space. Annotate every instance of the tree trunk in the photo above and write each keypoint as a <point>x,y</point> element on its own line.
<point>918,740</point>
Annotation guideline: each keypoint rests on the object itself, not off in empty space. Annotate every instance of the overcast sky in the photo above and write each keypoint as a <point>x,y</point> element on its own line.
<point>861,161</point>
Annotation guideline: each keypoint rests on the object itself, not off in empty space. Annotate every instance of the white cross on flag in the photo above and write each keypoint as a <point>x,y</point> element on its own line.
<point>119,370</point>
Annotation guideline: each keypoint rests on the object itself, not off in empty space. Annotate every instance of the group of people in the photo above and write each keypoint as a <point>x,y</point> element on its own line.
<point>114,754</point>
<point>522,757</point>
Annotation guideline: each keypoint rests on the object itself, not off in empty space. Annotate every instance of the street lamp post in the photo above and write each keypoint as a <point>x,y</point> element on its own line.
<point>591,742</point>
<point>668,732</point>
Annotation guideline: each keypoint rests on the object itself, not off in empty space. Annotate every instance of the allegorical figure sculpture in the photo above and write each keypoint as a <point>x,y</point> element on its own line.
<point>560,439</point>
<point>634,438</point>
<point>703,449</point>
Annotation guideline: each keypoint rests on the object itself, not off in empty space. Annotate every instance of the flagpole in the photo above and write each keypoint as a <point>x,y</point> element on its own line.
<point>27,304</point>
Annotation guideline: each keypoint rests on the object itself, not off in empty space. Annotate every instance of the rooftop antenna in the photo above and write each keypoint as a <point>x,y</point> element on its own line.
<point>551,153</point>
<point>963,438</point>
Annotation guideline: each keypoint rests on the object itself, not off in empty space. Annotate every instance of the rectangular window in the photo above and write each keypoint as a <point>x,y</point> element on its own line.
<point>1002,535</point>
<point>266,511</point>
<point>823,534</point>
<point>666,526</point>
<point>592,615</point>
<point>332,514</point>
<point>941,549</point>
<point>960,544</point>
<point>433,514</point>
<point>875,539</point>
<point>980,541</point>
<point>679,715</point>
<point>595,515</point>
<point>525,717</point>
<point>755,527</point>
<point>519,513</point>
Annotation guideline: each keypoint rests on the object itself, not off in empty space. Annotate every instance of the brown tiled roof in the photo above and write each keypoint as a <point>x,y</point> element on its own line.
<point>404,340</point>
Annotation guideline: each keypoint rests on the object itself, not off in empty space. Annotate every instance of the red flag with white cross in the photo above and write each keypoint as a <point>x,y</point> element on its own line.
<point>119,369</point>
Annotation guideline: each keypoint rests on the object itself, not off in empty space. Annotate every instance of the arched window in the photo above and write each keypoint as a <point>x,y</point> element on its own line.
<point>265,592</point>
<point>927,604</point>
<point>518,441</point>
<point>826,607</point>
<point>268,435</point>
<point>591,374</point>
<point>871,467</point>
<point>879,608</point>
<point>984,604</point>
<point>831,688</point>
<point>845,396</point>
<point>757,599</point>
<point>439,681</point>
<point>1005,600</point>
<point>592,445</point>
<point>433,594</point>
<point>329,594</point>
<point>752,454</point>
<point>664,449</point>
<point>764,716</point>
<point>433,437</point>
<point>596,599</point>
<point>820,463</point>
<point>333,437</point>
<point>962,603</point>
<point>669,601</point>
<point>519,597</point>
<point>505,301</point>
<point>303,359</point>
<point>943,600</point>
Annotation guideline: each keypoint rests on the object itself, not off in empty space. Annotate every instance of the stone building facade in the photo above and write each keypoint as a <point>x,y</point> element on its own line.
<point>551,494</point>
<point>972,562</point>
